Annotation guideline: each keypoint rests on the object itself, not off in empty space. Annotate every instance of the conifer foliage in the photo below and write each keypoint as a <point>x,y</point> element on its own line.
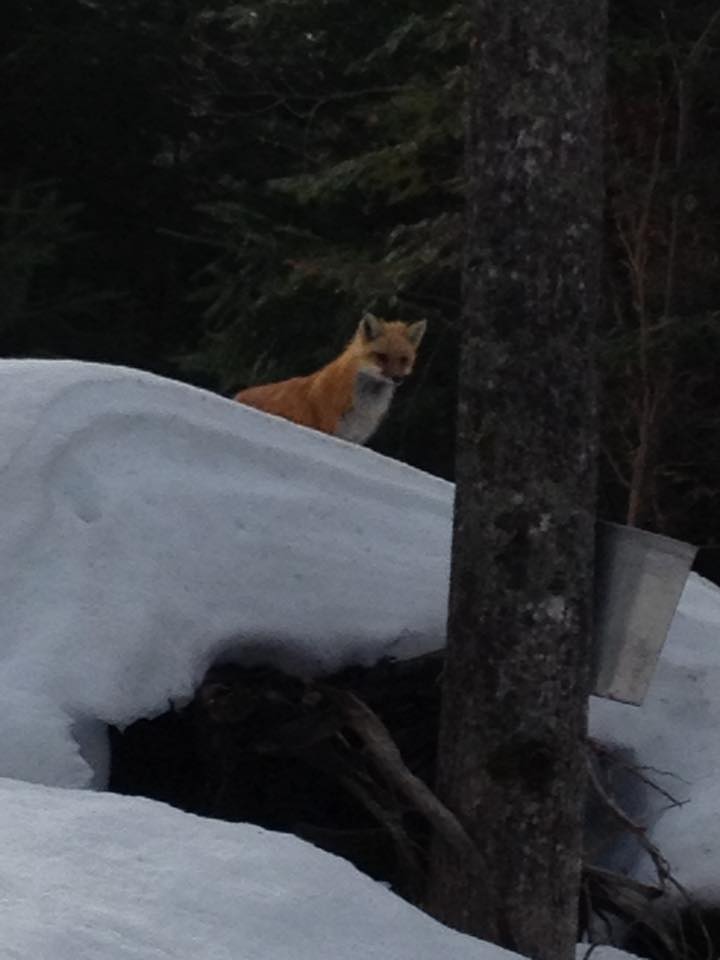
<point>216,190</point>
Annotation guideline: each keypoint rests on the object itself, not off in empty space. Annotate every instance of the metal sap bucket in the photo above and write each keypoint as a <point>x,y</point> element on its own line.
<point>639,577</point>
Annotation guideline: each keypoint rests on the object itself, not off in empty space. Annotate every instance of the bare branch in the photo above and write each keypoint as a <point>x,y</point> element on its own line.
<point>662,867</point>
<point>386,756</point>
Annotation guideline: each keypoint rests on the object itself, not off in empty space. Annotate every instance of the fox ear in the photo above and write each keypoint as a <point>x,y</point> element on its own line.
<point>416,331</point>
<point>370,327</point>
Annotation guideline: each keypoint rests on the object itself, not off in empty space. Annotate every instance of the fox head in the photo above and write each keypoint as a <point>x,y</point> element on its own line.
<point>388,347</point>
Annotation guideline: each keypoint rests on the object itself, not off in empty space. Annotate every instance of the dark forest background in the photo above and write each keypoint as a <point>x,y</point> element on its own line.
<point>216,191</point>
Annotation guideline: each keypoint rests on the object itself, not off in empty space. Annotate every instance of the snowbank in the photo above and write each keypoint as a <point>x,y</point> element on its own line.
<point>149,527</point>
<point>93,876</point>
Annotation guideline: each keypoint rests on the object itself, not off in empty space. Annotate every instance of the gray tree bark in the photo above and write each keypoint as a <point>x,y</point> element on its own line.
<point>511,755</point>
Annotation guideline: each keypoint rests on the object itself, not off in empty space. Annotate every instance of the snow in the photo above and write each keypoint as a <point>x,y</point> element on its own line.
<point>94,876</point>
<point>152,528</point>
<point>598,952</point>
<point>674,737</point>
<point>149,529</point>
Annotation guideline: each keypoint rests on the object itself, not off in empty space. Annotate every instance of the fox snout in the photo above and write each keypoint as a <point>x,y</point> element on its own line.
<point>394,369</point>
<point>389,375</point>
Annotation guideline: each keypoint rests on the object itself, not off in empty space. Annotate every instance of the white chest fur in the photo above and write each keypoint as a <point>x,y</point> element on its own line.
<point>370,404</point>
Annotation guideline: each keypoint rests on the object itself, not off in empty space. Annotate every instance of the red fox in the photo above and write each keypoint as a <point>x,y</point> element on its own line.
<point>349,397</point>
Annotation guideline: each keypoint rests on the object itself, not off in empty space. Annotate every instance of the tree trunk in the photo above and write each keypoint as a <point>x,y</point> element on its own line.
<point>511,761</point>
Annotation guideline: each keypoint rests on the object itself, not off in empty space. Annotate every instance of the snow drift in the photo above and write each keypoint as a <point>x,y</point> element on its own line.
<point>93,876</point>
<point>150,527</point>
<point>90,876</point>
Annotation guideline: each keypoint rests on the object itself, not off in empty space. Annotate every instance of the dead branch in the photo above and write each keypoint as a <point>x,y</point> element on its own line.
<point>662,867</point>
<point>385,754</point>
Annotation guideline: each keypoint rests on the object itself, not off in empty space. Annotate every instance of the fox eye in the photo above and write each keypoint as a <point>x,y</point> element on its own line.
<point>404,360</point>
<point>381,357</point>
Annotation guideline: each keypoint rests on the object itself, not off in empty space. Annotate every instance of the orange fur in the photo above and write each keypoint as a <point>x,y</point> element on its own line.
<point>350,395</point>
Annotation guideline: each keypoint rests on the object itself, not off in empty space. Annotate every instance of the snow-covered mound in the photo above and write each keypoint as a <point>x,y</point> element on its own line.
<point>148,527</point>
<point>94,876</point>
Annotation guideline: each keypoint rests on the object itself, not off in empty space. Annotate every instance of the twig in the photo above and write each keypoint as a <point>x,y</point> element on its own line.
<point>631,901</point>
<point>698,48</point>
<point>622,479</point>
<point>646,890</point>
<point>662,867</point>
<point>637,771</point>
